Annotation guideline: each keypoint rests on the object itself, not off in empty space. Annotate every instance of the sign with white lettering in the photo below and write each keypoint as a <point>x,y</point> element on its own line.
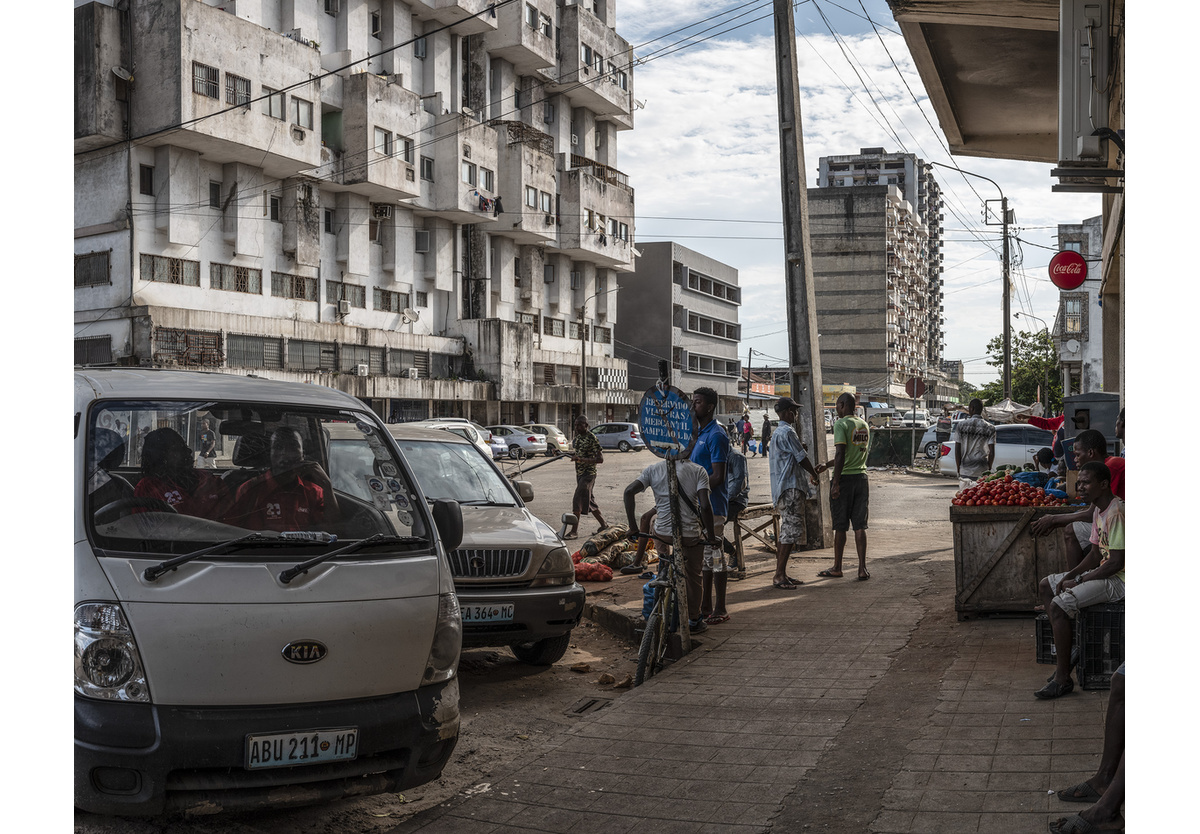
<point>667,423</point>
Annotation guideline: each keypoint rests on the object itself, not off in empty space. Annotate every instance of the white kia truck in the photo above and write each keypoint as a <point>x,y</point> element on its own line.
<point>247,635</point>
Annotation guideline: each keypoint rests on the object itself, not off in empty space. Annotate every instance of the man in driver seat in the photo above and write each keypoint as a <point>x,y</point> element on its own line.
<point>294,494</point>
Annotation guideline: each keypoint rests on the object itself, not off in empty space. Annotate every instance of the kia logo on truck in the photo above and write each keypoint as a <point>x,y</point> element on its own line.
<point>304,651</point>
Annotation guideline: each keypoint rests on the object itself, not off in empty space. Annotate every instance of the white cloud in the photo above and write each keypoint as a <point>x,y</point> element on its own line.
<point>707,146</point>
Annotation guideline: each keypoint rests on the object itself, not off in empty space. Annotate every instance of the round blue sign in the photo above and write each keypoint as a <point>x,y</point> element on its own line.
<point>667,423</point>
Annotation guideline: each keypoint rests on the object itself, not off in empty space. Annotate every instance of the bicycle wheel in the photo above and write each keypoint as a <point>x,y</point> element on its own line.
<point>649,650</point>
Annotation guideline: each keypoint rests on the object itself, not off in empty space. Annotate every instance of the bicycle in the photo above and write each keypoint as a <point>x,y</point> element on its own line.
<point>661,640</point>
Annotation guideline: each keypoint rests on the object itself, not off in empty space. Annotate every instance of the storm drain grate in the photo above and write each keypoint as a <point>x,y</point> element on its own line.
<point>585,705</point>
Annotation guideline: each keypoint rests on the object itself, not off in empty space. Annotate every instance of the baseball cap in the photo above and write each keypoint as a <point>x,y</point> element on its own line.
<point>785,403</point>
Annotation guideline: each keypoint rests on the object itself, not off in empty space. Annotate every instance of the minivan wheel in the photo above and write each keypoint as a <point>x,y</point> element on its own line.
<point>542,652</point>
<point>624,446</point>
<point>516,452</point>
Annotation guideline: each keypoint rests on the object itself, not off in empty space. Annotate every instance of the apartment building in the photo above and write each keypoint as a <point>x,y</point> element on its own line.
<point>681,306</point>
<point>409,201</point>
<point>1078,331</point>
<point>876,231</point>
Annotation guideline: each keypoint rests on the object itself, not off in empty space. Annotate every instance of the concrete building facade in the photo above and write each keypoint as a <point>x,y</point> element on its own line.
<point>1078,331</point>
<point>877,265</point>
<point>683,306</point>
<point>409,201</point>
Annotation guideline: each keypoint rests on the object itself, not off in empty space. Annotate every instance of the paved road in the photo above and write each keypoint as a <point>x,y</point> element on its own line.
<point>844,707</point>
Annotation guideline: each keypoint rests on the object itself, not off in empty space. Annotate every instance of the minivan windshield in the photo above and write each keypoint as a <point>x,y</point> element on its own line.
<point>171,477</point>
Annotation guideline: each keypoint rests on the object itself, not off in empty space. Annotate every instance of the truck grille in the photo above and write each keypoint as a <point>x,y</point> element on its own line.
<point>469,564</point>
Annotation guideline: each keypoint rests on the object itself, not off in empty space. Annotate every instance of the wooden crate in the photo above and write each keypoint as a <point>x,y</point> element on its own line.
<point>998,563</point>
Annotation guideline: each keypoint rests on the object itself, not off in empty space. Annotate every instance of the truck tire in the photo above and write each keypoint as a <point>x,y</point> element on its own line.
<point>542,652</point>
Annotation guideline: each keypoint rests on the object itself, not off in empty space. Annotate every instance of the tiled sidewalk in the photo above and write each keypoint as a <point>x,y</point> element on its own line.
<point>868,684</point>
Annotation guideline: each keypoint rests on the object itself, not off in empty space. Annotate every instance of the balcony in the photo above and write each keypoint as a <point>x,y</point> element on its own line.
<point>470,17</point>
<point>100,95</point>
<point>462,148</point>
<point>381,166</point>
<point>184,34</point>
<point>526,159</point>
<point>602,194</point>
<point>594,67</point>
<point>526,47</point>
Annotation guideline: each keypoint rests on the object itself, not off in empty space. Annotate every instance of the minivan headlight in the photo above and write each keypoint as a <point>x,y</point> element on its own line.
<point>556,569</point>
<point>447,642</point>
<point>107,662</point>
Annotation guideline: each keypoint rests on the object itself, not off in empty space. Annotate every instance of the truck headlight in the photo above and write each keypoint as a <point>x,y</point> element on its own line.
<point>107,662</point>
<point>447,642</point>
<point>556,569</point>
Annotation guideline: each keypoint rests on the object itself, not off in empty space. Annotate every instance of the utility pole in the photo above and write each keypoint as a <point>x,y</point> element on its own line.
<point>749,362</point>
<point>583,359</point>
<point>1007,305</point>
<point>803,353</point>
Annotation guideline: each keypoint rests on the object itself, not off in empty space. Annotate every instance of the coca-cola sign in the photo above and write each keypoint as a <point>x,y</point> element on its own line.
<point>1068,270</point>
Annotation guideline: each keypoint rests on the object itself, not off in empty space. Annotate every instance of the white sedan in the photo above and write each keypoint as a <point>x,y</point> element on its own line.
<point>1016,444</point>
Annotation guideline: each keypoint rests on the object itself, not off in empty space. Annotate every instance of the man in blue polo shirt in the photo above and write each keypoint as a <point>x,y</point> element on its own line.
<point>711,451</point>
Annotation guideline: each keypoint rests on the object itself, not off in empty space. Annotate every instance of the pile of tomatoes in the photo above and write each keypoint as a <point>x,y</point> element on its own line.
<point>1006,492</point>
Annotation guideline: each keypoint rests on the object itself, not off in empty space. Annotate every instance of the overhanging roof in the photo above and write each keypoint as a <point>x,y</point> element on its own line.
<point>990,68</point>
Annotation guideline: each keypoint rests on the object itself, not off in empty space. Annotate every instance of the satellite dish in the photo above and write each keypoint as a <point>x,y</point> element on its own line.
<point>1072,346</point>
<point>408,315</point>
<point>122,73</point>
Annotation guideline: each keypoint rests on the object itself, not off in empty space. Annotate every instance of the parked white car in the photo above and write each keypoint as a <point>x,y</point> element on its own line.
<point>1016,444</point>
<point>521,442</point>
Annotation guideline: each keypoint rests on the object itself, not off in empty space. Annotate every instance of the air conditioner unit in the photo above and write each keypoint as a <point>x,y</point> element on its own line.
<point>526,295</point>
<point>343,308</point>
<point>1083,83</point>
<point>362,369</point>
<point>574,139</point>
<point>381,211</point>
<point>412,373</point>
<point>549,219</point>
<point>466,148</point>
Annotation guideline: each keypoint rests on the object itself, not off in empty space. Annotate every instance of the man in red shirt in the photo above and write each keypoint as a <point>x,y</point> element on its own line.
<point>294,494</point>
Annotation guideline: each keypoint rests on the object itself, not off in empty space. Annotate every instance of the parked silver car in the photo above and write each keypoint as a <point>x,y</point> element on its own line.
<point>623,436</point>
<point>521,442</point>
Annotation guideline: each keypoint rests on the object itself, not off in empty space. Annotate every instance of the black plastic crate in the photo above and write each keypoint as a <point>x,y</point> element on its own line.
<point>1044,637</point>
<point>1101,637</point>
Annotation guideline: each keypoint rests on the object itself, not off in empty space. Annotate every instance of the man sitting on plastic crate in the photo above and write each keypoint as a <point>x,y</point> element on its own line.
<point>1098,579</point>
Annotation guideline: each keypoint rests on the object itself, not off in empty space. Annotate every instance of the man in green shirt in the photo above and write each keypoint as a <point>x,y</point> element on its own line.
<point>586,455</point>
<point>848,492</point>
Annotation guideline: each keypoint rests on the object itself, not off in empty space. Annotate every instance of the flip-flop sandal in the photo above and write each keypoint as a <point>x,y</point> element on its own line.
<point>1083,792</point>
<point>828,574</point>
<point>785,585</point>
<point>864,577</point>
<point>716,619</point>
<point>1076,824</point>
<point>570,537</point>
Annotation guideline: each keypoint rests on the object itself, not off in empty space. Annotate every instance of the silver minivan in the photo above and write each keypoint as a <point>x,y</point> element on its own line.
<point>246,634</point>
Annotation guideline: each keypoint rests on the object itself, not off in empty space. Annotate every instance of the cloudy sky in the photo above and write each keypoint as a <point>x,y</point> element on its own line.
<point>704,156</point>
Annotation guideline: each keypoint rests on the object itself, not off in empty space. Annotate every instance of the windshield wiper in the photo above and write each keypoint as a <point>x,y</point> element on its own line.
<point>485,502</point>
<point>379,538</point>
<point>153,573</point>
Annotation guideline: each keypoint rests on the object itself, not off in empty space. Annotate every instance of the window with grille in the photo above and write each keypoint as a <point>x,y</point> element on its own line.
<point>175,346</point>
<point>235,278</point>
<point>237,89</point>
<point>336,291</point>
<point>303,355</point>
<point>351,356</point>
<point>92,269</point>
<point>1074,314</point>
<point>422,298</point>
<point>602,335</point>
<point>170,270</point>
<point>390,302</point>
<point>206,80</point>
<point>253,351</point>
<point>331,7</point>
<point>302,112</point>
<point>273,103</point>
<point>93,350</point>
<point>294,286</point>
<point>528,318</point>
<point>553,327</point>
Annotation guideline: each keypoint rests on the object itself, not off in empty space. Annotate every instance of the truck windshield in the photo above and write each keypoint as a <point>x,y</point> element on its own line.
<point>170,477</point>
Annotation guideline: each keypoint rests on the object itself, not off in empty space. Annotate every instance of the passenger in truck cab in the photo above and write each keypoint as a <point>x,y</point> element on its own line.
<point>169,476</point>
<point>294,494</point>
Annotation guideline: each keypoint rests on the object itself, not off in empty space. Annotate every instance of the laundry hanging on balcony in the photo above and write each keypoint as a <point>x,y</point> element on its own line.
<point>485,203</point>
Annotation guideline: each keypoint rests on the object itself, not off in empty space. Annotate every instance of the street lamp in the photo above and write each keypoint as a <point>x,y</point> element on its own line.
<point>1007,276</point>
<point>1017,315</point>
<point>583,340</point>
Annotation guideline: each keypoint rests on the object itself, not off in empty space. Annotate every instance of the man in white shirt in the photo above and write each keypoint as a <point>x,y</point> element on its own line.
<point>695,514</point>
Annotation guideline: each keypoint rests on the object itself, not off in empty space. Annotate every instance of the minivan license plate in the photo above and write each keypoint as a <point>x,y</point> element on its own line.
<point>313,747</point>
<point>498,612</point>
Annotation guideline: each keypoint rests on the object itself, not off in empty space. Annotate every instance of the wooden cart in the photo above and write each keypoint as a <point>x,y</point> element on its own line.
<point>998,562</point>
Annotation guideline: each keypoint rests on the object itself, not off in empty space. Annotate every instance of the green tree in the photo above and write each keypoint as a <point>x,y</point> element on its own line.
<point>966,392</point>
<point>1034,360</point>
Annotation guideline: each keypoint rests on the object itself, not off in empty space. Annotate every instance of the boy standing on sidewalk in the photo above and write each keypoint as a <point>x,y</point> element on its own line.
<point>848,489</point>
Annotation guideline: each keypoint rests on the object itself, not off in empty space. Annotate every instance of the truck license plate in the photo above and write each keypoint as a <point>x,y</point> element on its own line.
<point>499,612</point>
<point>313,747</point>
